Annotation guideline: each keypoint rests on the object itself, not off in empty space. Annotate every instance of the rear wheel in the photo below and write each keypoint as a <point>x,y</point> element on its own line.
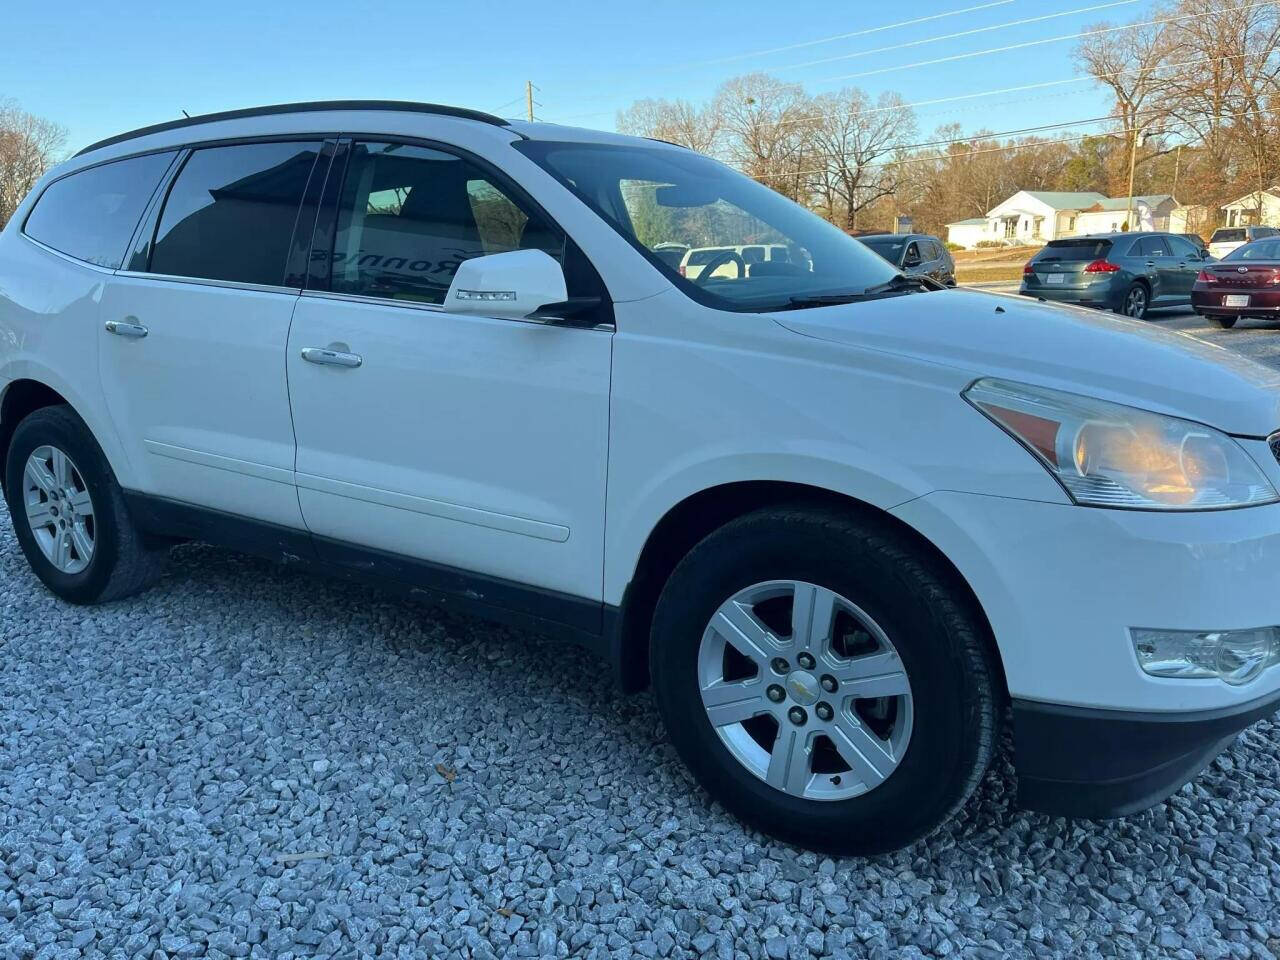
<point>1226,322</point>
<point>824,680</point>
<point>1136,302</point>
<point>69,514</point>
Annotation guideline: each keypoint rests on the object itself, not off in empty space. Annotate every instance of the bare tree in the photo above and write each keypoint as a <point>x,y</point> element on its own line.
<point>850,139</point>
<point>29,145</point>
<point>1128,63</point>
<point>676,121</point>
<point>764,129</point>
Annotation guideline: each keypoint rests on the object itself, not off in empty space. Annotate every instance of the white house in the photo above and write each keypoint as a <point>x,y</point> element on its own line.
<point>1110,215</point>
<point>1031,217</point>
<point>1028,217</point>
<point>1261,207</point>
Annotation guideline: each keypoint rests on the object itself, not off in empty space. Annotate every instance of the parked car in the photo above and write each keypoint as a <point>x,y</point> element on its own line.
<point>732,260</point>
<point>850,524</point>
<point>916,255</point>
<point>1246,283</point>
<point>1129,273</point>
<point>1226,239</point>
<point>670,253</point>
<point>1196,241</point>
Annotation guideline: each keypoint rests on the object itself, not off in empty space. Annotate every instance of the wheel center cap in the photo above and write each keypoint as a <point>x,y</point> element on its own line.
<point>803,687</point>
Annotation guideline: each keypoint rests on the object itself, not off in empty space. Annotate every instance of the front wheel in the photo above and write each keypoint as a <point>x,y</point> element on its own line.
<point>69,514</point>
<point>825,679</point>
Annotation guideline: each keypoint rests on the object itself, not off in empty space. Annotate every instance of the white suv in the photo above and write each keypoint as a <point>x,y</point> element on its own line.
<point>843,524</point>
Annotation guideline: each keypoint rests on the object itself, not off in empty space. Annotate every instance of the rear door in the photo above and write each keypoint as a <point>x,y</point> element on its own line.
<point>1154,259</point>
<point>448,445</point>
<point>194,333</point>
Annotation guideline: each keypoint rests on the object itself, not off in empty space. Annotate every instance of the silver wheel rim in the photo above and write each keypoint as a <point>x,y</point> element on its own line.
<point>1137,302</point>
<point>818,705</point>
<point>59,509</point>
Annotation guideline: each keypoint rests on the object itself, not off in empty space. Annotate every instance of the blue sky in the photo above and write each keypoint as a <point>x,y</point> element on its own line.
<point>101,68</point>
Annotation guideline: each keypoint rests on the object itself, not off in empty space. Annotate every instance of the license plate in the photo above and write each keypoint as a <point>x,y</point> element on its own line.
<point>1235,300</point>
<point>1055,278</point>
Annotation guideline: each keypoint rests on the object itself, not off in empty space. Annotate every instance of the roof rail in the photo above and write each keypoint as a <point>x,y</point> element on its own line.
<point>403,106</point>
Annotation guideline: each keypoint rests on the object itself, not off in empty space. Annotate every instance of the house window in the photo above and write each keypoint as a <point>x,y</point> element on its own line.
<point>1039,227</point>
<point>1010,228</point>
<point>1071,223</point>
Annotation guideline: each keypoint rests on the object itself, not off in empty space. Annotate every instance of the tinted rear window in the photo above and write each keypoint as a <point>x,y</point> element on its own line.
<point>700,257</point>
<point>230,213</point>
<point>1227,236</point>
<point>91,215</point>
<point>1080,249</point>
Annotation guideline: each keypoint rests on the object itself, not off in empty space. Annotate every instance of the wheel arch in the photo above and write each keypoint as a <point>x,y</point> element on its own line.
<point>20,399</point>
<point>702,513</point>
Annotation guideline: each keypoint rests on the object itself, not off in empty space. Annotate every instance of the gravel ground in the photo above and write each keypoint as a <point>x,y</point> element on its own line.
<point>248,761</point>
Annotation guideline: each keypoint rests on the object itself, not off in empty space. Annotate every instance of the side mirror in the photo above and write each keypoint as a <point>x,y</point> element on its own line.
<point>511,285</point>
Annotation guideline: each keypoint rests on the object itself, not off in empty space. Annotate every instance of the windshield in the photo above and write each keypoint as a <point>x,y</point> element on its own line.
<point>659,196</point>
<point>1226,236</point>
<point>888,247</point>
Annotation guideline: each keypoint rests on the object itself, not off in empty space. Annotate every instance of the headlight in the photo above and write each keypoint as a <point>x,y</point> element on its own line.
<point>1236,656</point>
<point>1109,455</point>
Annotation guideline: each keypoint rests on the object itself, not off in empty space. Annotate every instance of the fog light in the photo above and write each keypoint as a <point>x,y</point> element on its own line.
<point>1236,656</point>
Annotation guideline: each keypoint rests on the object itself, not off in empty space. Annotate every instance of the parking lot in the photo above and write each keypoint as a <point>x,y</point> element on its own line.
<point>248,761</point>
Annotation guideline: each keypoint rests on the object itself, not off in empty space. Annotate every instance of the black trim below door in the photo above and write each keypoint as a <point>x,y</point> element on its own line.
<point>577,619</point>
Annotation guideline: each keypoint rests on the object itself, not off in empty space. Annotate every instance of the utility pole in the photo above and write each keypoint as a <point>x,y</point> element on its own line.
<point>1133,160</point>
<point>528,97</point>
<point>1177,166</point>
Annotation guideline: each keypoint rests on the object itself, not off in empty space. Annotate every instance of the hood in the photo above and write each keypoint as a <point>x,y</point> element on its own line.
<point>1068,348</point>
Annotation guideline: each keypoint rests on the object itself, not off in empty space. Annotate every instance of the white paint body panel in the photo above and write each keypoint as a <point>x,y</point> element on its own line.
<point>547,455</point>
<point>469,441</point>
<point>201,402</point>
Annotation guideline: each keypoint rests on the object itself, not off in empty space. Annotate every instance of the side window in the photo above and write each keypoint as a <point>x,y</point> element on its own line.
<point>1153,247</point>
<point>912,256</point>
<point>91,215</point>
<point>230,212</point>
<point>753,254</point>
<point>1182,248</point>
<point>408,216</point>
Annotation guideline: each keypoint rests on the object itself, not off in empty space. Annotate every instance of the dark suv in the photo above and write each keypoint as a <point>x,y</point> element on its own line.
<point>915,254</point>
<point>1129,273</point>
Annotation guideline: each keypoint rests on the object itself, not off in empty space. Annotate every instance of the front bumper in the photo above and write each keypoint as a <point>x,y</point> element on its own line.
<point>1098,764</point>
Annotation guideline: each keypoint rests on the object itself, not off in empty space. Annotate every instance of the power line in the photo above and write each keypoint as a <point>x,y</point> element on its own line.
<point>962,33</point>
<point>1040,85</point>
<point>845,36</point>
<point>1035,43</point>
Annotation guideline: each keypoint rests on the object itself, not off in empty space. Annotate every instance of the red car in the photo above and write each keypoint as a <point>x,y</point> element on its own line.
<point>1244,283</point>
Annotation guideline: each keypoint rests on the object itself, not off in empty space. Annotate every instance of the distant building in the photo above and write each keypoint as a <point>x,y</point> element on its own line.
<point>1262,207</point>
<point>1031,217</point>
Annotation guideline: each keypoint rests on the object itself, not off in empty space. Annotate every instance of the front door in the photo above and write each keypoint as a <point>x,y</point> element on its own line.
<point>193,338</point>
<point>464,444</point>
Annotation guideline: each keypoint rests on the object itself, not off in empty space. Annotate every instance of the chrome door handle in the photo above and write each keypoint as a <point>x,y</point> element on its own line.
<point>335,358</point>
<point>126,328</point>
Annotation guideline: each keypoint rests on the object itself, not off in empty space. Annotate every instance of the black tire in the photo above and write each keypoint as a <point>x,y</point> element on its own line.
<point>1136,302</point>
<point>1226,323</point>
<point>122,562</point>
<point>921,608</point>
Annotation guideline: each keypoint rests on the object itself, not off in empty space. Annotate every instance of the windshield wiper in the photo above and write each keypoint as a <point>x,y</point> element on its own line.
<point>826,299</point>
<point>903,282</point>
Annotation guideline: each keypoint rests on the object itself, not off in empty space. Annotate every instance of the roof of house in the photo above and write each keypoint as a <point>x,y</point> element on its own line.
<point>971,222</point>
<point>1248,197</point>
<point>1063,200</point>
<point>1122,203</point>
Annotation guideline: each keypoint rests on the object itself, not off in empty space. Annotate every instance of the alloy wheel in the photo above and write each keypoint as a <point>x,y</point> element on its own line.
<point>1135,304</point>
<point>805,690</point>
<point>59,509</point>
